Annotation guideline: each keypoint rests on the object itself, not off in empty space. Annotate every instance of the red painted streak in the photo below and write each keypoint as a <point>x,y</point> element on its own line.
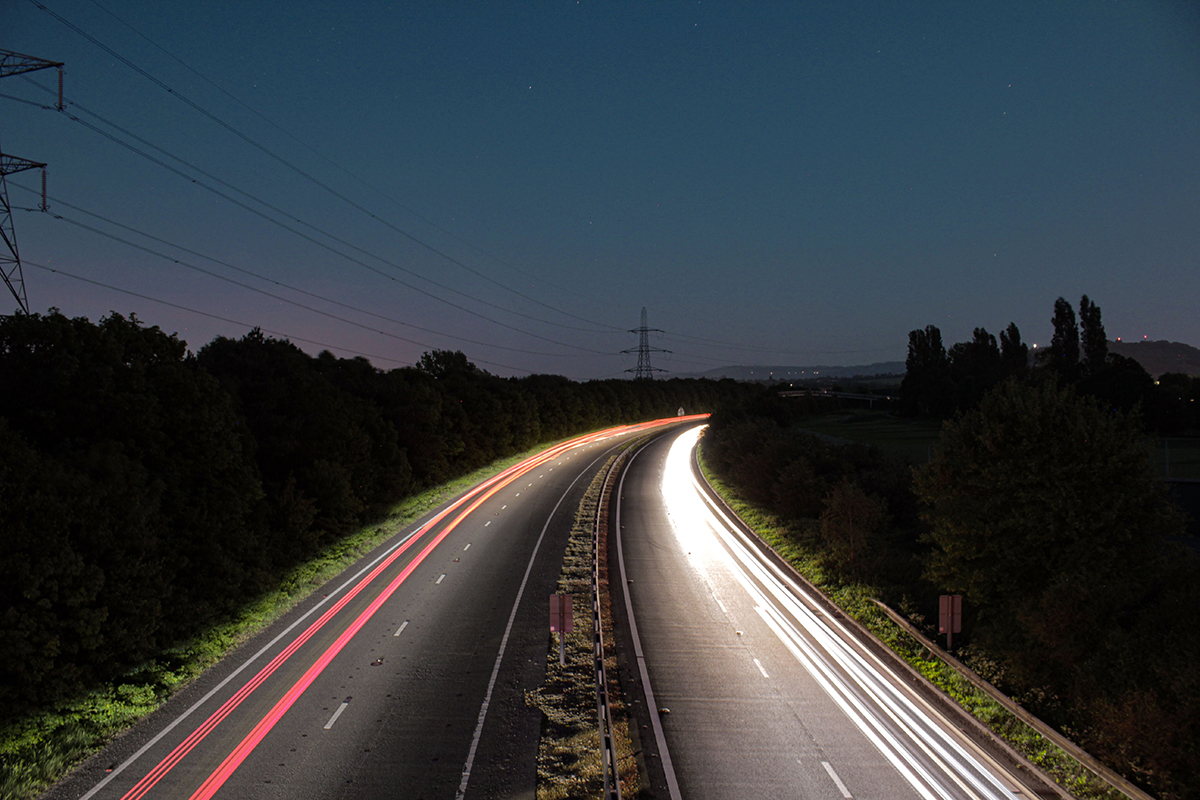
<point>217,779</point>
<point>480,494</point>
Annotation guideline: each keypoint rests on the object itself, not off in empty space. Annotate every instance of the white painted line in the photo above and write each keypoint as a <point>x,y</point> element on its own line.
<point>468,547</point>
<point>518,494</point>
<point>439,580</point>
<point>489,522</point>
<point>504,506</point>
<point>400,630</point>
<point>655,719</point>
<point>722,605</point>
<point>337,713</point>
<point>761,668</point>
<point>487,698</point>
<point>157,737</point>
<point>841,786</point>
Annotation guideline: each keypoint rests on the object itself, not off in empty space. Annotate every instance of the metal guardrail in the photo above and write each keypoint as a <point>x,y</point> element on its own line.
<point>608,752</point>
<point>1076,752</point>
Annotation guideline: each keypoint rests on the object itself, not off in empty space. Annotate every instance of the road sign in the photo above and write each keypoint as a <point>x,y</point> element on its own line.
<point>950,617</point>
<point>562,621</point>
<point>562,618</point>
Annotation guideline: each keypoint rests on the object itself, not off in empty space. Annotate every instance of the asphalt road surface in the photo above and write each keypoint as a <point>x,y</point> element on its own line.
<point>761,692</point>
<point>403,677</point>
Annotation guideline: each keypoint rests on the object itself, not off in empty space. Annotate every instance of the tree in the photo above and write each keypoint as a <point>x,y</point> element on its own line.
<point>850,519</point>
<point>926,388</point>
<point>1094,340</point>
<point>1063,355</point>
<point>1014,354</point>
<point>443,363</point>
<point>1041,505</point>
<point>975,367</point>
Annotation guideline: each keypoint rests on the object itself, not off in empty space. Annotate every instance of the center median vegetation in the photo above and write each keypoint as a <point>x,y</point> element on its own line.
<point>161,506</point>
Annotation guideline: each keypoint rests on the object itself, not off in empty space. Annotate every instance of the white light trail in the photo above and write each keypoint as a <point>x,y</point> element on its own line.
<point>930,759</point>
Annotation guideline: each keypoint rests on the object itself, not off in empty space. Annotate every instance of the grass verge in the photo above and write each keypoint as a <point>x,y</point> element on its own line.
<point>569,754</point>
<point>37,750</point>
<point>856,601</point>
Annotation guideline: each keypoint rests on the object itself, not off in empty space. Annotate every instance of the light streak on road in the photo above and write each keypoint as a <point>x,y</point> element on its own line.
<point>922,748</point>
<point>448,519</point>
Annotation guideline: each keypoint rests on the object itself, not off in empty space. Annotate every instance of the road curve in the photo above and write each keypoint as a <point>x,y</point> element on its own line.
<point>404,676</point>
<point>760,693</point>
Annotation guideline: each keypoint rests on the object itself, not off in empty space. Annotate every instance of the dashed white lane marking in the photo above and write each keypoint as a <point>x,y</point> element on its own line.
<point>400,630</point>
<point>518,494</point>
<point>337,713</point>
<point>489,522</point>
<point>468,547</point>
<point>841,786</point>
<point>761,668</point>
<point>504,506</point>
<point>719,603</point>
<point>439,580</point>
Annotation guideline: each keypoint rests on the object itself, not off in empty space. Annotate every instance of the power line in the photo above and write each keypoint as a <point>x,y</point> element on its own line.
<point>288,228</point>
<point>338,166</point>
<point>289,165</point>
<point>325,246</point>
<point>247,325</point>
<point>273,296</point>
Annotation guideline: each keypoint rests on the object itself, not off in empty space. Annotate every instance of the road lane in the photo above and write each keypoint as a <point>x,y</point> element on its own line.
<point>377,685</point>
<point>765,694</point>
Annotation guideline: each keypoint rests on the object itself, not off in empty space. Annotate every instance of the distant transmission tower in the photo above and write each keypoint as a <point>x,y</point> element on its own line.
<point>644,370</point>
<point>10,262</point>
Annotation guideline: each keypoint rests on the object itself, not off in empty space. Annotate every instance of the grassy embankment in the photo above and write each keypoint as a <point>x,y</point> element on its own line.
<point>855,599</point>
<point>38,750</point>
<point>569,756</point>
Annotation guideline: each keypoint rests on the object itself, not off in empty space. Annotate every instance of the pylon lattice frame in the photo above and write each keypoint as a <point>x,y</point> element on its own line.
<point>10,258</point>
<point>643,369</point>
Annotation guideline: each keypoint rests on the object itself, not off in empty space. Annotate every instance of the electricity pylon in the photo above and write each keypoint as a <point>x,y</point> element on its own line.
<point>15,63</point>
<point>10,262</point>
<point>644,370</point>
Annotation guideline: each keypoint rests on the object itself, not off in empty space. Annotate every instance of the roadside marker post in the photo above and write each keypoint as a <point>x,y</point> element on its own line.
<point>950,617</point>
<point>562,621</point>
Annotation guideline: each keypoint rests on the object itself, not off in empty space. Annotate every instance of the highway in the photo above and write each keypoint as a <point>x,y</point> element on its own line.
<point>405,676</point>
<point>761,691</point>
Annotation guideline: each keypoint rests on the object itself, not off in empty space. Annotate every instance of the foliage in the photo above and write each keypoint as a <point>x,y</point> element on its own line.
<point>1078,356</point>
<point>149,493</point>
<point>855,597</point>
<point>926,388</point>
<point>1046,515</point>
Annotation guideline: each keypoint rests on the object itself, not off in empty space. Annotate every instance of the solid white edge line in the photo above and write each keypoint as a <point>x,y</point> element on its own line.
<point>841,786</point>
<point>155,740</point>
<point>337,714</point>
<point>487,698</point>
<point>651,708</point>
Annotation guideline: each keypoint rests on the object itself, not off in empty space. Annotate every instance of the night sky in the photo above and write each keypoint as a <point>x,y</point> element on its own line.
<point>777,183</point>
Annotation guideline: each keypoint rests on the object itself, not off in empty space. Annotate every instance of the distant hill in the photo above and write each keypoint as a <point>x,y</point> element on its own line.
<point>1161,356</point>
<point>786,373</point>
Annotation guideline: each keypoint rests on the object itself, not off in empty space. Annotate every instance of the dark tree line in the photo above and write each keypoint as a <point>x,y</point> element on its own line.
<point>146,491</point>
<point>848,499</point>
<point>1040,506</point>
<point>940,382</point>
